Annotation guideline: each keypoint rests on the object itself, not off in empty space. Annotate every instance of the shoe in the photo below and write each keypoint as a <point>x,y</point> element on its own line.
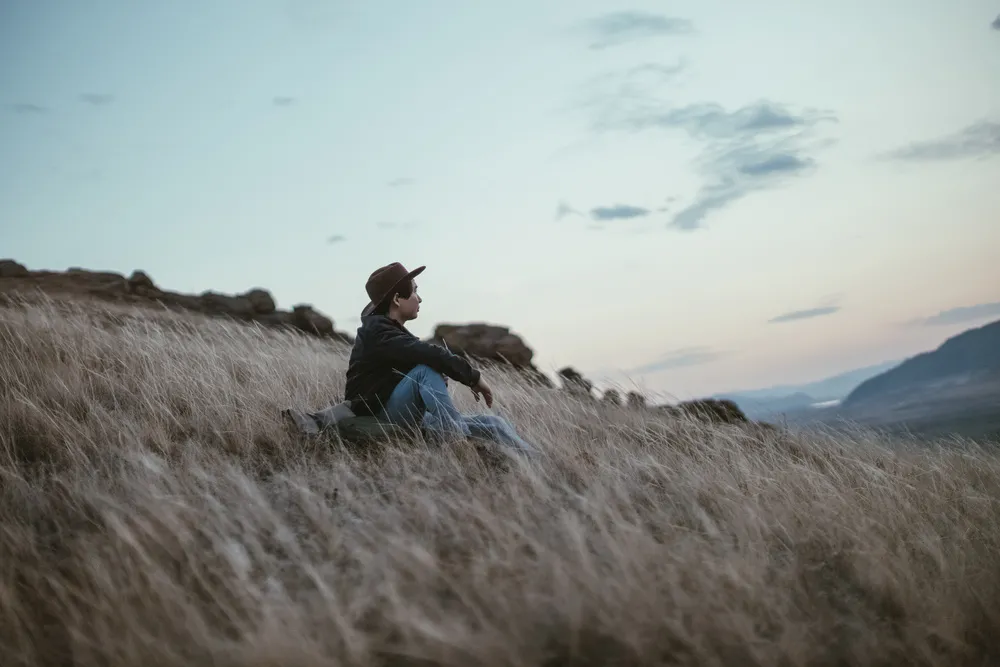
<point>301,421</point>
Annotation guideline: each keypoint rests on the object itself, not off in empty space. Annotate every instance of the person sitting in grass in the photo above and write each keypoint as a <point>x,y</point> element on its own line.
<point>398,378</point>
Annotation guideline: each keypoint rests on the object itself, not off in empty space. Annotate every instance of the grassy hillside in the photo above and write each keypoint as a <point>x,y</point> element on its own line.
<point>970,352</point>
<point>153,511</point>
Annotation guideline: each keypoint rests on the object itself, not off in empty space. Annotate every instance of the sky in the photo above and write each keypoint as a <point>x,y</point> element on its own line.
<point>687,197</point>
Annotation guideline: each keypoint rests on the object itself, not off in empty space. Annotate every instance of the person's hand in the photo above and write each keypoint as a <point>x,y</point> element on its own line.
<point>482,388</point>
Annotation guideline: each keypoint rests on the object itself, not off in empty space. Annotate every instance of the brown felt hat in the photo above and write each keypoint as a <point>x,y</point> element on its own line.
<point>383,282</point>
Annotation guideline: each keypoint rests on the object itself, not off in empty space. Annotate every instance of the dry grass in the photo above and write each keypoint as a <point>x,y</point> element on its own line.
<point>155,512</point>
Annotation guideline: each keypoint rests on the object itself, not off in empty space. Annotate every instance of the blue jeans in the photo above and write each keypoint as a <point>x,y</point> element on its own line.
<point>421,398</point>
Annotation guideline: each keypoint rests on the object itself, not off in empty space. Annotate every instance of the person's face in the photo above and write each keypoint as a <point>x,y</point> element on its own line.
<point>408,309</point>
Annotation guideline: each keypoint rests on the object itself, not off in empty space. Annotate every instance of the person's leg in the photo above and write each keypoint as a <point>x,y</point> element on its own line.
<point>500,430</point>
<point>422,397</point>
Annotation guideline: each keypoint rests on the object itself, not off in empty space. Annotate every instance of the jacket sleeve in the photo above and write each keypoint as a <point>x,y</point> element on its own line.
<point>404,348</point>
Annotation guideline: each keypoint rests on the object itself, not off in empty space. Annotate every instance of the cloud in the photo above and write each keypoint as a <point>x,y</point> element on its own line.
<point>612,94</point>
<point>27,108</point>
<point>680,358</point>
<point>97,99</point>
<point>996,23</point>
<point>712,121</point>
<point>618,212</point>
<point>336,238</point>
<point>809,313</point>
<point>564,209</point>
<point>400,182</point>
<point>280,101</point>
<point>962,314</point>
<point>618,28</point>
<point>755,147</point>
<point>979,140</point>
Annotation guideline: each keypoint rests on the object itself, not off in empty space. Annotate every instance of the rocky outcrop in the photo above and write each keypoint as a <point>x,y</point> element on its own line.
<point>574,382</point>
<point>635,400</point>
<point>11,269</point>
<point>711,410</point>
<point>304,318</point>
<point>256,305</point>
<point>485,341</point>
<point>491,344</point>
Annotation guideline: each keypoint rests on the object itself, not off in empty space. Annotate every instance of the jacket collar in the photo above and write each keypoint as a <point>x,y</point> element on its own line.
<point>382,319</point>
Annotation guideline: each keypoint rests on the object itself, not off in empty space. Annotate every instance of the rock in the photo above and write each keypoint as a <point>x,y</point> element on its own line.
<point>261,301</point>
<point>485,341</point>
<point>536,377</point>
<point>183,301</point>
<point>635,400</point>
<point>99,283</point>
<point>308,320</point>
<point>139,280</point>
<point>11,269</point>
<point>97,277</point>
<point>279,318</point>
<point>575,383</point>
<point>256,305</point>
<point>711,410</point>
<point>223,304</point>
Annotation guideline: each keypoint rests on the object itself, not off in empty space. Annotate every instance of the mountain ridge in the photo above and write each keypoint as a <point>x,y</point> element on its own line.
<point>972,353</point>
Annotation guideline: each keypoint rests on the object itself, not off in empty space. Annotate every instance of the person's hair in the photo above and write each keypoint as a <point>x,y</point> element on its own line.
<point>405,291</point>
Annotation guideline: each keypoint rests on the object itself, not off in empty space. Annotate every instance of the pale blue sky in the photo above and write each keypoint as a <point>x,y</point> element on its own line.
<point>641,186</point>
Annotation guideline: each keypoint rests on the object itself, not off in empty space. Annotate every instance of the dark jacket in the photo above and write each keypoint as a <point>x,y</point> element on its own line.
<point>384,351</point>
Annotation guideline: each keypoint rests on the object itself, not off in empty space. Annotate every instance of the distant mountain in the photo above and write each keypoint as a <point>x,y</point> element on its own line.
<point>768,401</point>
<point>972,356</point>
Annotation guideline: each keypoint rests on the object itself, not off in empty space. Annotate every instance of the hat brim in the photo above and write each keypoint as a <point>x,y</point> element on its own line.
<point>370,308</point>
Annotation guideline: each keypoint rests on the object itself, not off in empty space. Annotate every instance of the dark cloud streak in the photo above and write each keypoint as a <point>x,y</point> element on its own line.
<point>682,358</point>
<point>618,212</point>
<point>807,314</point>
<point>618,28</point>
<point>755,147</point>
<point>97,99</point>
<point>962,314</point>
<point>979,140</point>
<point>27,108</point>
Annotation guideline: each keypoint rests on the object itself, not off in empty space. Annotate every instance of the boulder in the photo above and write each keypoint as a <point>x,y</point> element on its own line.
<point>575,383</point>
<point>309,321</point>
<point>279,318</point>
<point>261,301</point>
<point>635,400</point>
<point>255,305</point>
<point>182,301</point>
<point>139,281</point>
<point>485,341</point>
<point>711,410</point>
<point>11,269</point>
<point>99,283</point>
<point>224,304</point>
<point>96,277</point>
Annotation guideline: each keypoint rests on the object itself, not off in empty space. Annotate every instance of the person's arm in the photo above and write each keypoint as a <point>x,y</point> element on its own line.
<point>401,347</point>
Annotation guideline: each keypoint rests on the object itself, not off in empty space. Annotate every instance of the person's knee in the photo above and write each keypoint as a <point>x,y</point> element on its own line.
<point>423,371</point>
